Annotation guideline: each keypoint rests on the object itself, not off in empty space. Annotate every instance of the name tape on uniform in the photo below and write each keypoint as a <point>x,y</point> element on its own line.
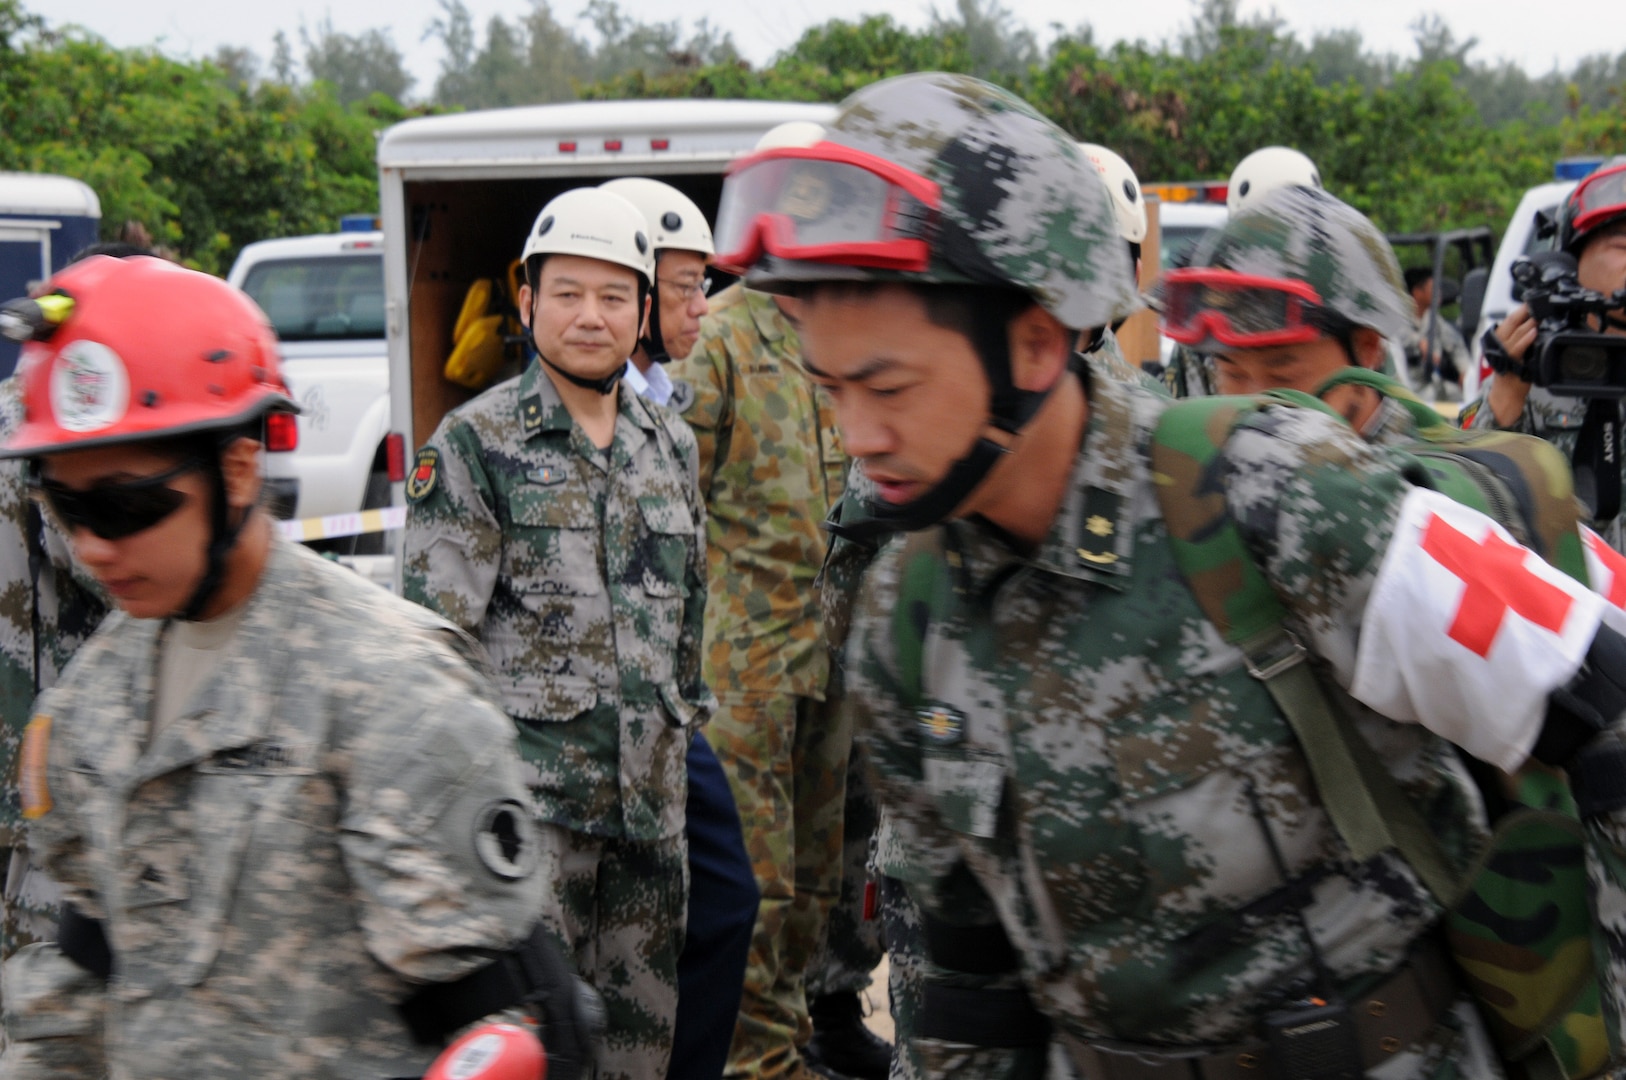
<point>336,525</point>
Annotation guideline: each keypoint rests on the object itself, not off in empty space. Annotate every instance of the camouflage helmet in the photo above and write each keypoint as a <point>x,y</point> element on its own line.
<point>1303,234</point>
<point>1020,204</point>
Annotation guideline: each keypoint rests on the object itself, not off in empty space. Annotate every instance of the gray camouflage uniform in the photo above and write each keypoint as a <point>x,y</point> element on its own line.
<point>583,573</point>
<point>312,839</point>
<point>47,610</point>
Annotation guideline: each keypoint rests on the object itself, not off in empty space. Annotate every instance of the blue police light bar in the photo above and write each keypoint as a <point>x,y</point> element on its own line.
<point>360,223</point>
<point>1575,168</point>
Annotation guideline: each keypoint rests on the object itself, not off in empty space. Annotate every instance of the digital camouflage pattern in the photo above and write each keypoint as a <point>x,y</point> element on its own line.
<point>46,613</point>
<point>620,907</point>
<point>770,468</point>
<point>1557,420</point>
<point>1021,206</point>
<point>581,572</point>
<point>1107,357</point>
<point>337,818</point>
<point>770,465</point>
<point>1092,738</point>
<point>1304,234</point>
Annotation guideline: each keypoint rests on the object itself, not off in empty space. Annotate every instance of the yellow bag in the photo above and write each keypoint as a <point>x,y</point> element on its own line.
<point>475,304</point>
<point>478,353</point>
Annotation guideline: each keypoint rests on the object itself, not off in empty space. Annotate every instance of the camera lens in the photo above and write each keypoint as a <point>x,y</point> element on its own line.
<point>1584,363</point>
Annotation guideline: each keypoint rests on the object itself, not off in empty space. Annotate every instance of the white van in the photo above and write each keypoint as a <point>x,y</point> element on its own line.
<point>458,194</point>
<point>324,296</point>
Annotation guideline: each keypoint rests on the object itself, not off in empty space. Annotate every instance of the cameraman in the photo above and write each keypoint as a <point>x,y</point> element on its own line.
<point>1592,229</point>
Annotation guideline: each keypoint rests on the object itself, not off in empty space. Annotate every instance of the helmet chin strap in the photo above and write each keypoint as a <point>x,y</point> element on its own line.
<point>653,342</point>
<point>223,534</point>
<point>1010,410</point>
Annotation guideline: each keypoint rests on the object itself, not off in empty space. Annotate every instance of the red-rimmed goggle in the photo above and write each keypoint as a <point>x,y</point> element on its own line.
<point>1244,311</point>
<point>826,203</point>
<point>1599,197</point>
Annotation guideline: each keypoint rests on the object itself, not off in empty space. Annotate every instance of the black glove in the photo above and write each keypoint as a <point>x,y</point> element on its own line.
<point>1579,733</point>
<point>569,1010</point>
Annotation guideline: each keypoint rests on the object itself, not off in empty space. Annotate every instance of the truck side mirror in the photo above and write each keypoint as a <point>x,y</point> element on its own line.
<point>1474,283</point>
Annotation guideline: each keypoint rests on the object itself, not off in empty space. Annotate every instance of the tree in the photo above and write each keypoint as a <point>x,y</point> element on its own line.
<point>356,65</point>
<point>995,44</point>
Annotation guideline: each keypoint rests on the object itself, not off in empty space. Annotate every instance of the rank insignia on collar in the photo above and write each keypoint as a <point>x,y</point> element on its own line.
<point>425,472</point>
<point>1098,526</point>
<point>531,413</point>
<point>940,725</point>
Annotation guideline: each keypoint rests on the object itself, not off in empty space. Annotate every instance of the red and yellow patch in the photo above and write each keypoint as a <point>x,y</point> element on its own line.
<point>36,793</point>
<point>425,471</point>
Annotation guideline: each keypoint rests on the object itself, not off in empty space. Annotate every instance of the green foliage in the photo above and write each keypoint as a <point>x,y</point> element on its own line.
<point>206,159</point>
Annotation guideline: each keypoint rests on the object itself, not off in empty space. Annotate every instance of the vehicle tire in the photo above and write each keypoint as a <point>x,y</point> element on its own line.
<point>375,497</point>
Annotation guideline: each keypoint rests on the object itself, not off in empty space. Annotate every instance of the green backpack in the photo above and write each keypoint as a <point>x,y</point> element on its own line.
<point>1518,919</point>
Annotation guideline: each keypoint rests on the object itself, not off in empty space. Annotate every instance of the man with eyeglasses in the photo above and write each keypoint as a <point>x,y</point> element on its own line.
<point>284,807</point>
<point>770,468</point>
<point>682,241</point>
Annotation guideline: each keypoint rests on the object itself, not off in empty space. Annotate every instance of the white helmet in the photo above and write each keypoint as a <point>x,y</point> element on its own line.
<point>595,224</point>
<point>1128,208</point>
<point>792,133</point>
<point>1266,170</point>
<point>674,220</point>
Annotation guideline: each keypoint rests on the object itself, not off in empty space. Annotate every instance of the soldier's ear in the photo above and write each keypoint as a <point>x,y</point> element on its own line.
<point>240,469</point>
<point>1369,347</point>
<point>1040,349</point>
<point>525,295</point>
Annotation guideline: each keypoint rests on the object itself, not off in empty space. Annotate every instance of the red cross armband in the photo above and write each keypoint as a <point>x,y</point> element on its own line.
<point>1470,634</point>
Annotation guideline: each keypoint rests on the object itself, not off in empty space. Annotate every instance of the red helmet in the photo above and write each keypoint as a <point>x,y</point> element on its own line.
<point>492,1052</point>
<point>137,349</point>
<point>1597,201</point>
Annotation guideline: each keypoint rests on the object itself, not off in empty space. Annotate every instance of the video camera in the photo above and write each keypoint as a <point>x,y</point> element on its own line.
<point>1569,356</point>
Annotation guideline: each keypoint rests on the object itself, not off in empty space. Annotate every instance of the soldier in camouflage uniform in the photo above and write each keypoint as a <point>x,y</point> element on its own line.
<point>1592,229</point>
<point>279,802</point>
<point>555,516</point>
<point>51,608</point>
<point>770,468</point>
<point>1123,866</point>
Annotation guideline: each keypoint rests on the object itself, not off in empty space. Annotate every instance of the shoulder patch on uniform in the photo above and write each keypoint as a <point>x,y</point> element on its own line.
<point>425,473</point>
<point>940,725</point>
<point>36,793</point>
<point>505,840</point>
<point>682,395</point>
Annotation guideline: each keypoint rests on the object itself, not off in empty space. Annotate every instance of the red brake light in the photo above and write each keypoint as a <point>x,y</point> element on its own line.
<point>612,144</point>
<point>567,147</point>
<point>395,456</point>
<point>660,144</point>
<point>1216,193</point>
<point>281,433</point>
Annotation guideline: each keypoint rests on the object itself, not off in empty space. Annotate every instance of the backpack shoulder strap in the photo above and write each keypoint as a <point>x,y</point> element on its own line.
<point>1363,800</point>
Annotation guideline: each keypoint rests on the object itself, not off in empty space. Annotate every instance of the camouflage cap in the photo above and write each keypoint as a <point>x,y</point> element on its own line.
<point>1304,234</point>
<point>1021,205</point>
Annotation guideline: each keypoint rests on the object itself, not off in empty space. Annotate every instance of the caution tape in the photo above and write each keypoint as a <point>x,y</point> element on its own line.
<point>335,525</point>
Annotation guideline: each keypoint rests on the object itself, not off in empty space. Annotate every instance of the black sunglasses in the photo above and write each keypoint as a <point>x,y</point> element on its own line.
<point>115,510</point>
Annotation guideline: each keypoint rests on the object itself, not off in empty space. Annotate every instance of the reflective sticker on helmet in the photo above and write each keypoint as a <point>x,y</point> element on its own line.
<point>36,794</point>
<point>89,387</point>
<point>425,471</point>
<point>504,840</point>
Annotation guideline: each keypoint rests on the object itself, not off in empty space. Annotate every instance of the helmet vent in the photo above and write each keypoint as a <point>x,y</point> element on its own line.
<point>219,356</point>
<point>1129,191</point>
<point>1243,190</point>
<point>217,390</point>
<point>149,398</point>
<point>544,226</point>
<point>643,243</point>
<point>671,222</point>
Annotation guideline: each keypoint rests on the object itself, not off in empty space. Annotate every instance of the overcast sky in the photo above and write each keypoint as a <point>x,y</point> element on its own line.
<point>1505,28</point>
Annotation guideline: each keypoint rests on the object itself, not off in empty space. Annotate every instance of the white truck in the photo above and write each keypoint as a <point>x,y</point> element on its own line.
<point>324,296</point>
<point>458,193</point>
